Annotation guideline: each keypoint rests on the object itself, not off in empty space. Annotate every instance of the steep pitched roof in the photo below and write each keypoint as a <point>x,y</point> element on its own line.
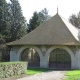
<point>55,31</point>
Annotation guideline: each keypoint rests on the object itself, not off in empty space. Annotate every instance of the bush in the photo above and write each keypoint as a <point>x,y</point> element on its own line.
<point>8,69</point>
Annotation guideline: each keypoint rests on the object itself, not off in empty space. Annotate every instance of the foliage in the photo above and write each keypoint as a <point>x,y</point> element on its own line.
<point>34,22</point>
<point>5,54</point>
<point>37,19</point>
<point>3,17</point>
<point>44,15</point>
<point>73,75</point>
<point>36,70</point>
<point>12,25</point>
<point>75,20</point>
<point>4,50</point>
<point>2,41</point>
<point>17,21</point>
<point>8,69</point>
<point>12,21</point>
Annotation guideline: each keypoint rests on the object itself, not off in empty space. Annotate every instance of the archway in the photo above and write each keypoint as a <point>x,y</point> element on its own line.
<point>31,56</point>
<point>59,59</point>
<point>21,50</point>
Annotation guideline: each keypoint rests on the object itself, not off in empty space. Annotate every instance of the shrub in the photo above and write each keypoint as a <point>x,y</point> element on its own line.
<point>8,69</point>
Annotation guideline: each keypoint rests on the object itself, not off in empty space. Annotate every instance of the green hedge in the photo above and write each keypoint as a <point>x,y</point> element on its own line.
<point>8,69</point>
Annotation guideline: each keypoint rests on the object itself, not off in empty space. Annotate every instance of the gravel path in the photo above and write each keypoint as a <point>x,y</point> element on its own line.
<point>50,75</point>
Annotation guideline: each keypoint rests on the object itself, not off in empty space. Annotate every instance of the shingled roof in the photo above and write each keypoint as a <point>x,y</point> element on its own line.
<point>55,31</point>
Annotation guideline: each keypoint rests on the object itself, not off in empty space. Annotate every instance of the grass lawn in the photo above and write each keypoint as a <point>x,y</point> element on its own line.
<point>32,71</point>
<point>73,75</point>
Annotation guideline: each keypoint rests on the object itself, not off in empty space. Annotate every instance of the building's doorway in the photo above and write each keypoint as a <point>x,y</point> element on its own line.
<point>59,59</point>
<point>31,56</point>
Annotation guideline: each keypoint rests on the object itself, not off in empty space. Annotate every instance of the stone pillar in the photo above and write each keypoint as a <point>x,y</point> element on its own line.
<point>73,63</point>
<point>43,62</point>
<point>12,55</point>
<point>43,59</point>
<point>77,59</point>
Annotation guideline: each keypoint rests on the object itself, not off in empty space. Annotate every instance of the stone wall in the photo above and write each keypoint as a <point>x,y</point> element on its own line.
<point>44,52</point>
<point>73,49</point>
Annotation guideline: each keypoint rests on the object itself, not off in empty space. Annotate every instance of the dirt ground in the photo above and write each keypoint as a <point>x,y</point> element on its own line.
<point>16,77</point>
<point>50,75</point>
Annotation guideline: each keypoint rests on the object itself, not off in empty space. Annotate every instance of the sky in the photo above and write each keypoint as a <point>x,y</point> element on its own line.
<point>65,7</point>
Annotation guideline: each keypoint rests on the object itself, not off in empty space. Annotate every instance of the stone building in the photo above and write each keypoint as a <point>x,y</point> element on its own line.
<point>54,44</point>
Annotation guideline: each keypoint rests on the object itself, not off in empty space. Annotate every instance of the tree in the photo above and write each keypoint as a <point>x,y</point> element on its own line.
<point>2,41</point>
<point>34,22</point>
<point>37,19</point>
<point>44,15</point>
<point>4,24</point>
<point>4,54</point>
<point>17,21</point>
<point>75,20</point>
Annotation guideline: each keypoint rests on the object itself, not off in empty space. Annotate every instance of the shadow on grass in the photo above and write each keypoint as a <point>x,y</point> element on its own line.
<point>32,71</point>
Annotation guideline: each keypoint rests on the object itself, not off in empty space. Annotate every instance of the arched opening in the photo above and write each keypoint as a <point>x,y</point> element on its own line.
<point>59,59</point>
<point>31,56</point>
